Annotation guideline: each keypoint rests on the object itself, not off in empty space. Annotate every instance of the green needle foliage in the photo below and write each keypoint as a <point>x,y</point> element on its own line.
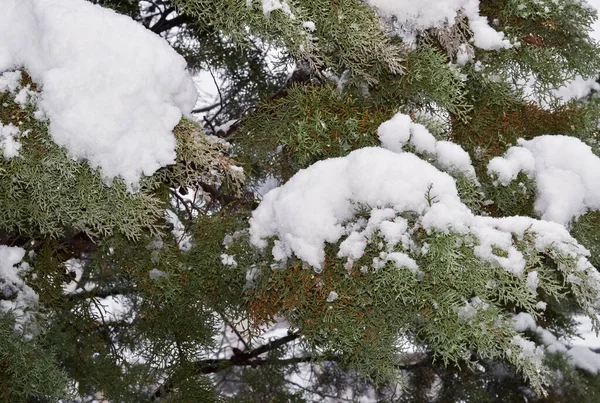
<point>159,294</point>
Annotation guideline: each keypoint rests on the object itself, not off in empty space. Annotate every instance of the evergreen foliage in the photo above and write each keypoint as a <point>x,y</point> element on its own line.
<point>161,294</point>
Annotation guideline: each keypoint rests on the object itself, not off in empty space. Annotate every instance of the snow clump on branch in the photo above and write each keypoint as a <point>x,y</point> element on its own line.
<point>112,90</point>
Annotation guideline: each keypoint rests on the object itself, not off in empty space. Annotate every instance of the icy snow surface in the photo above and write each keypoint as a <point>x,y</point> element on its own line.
<point>566,172</point>
<point>112,90</point>
<point>423,14</point>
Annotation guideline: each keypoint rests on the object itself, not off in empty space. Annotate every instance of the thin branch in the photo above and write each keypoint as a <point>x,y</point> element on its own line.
<point>206,108</point>
<point>237,333</point>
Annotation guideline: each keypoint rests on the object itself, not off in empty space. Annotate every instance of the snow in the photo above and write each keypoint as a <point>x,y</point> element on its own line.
<point>74,266</point>
<point>582,357</point>
<point>588,336</point>
<point>400,130</point>
<point>332,296</point>
<point>524,322</point>
<point>403,260</point>
<point>10,81</point>
<point>421,15</point>
<point>9,144</point>
<point>533,281</point>
<point>576,89</point>
<point>112,90</point>
<point>309,26</point>
<point>184,240</point>
<point>311,208</point>
<point>318,206</point>
<point>529,350</point>
<point>452,157</point>
<point>268,6</point>
<point>565,170</point>
<point>550,341</point>
<point>228,260</point>
<point>156,274</point>
<point>21,296</point>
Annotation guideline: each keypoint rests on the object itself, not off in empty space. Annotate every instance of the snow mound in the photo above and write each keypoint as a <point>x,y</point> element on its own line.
<point>566,172</point>
<point>424,14</point>
<point>112,90</point>
<point>318,205</point>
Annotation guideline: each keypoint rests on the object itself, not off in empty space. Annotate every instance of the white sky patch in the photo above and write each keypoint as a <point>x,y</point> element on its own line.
<point>113,95</point>
<point>110,309</point>
<point>420,15</point>
<point>595,34</point>
<point>566,172</point>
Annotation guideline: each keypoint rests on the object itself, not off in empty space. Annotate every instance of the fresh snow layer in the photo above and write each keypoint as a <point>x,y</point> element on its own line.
<point>423,14</point>
<point>112,90</point>
<point>566,172</point>
<point>318,206</point>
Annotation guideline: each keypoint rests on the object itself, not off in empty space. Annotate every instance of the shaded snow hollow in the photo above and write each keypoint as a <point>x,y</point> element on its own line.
<point>112,90</point>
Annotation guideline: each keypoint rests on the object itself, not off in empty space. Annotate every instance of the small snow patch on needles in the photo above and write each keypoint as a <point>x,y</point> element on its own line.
<point>566,172</point>
<point>15,296</point>
<point>9,145</point>
<point>423,14</point>
<point>112,90</point>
